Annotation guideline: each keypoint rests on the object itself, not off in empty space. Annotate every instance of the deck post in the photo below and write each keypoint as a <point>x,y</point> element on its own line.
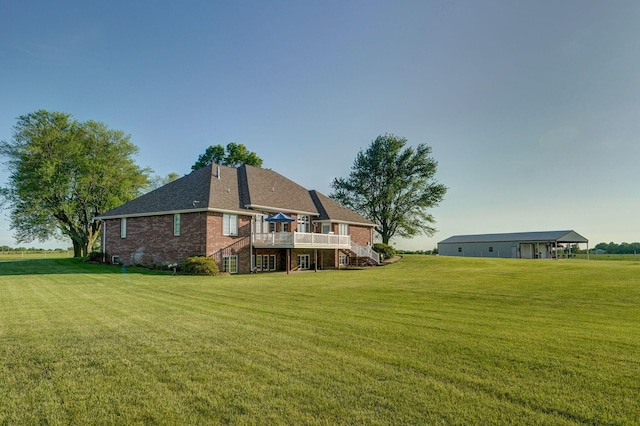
<point>288,266</point>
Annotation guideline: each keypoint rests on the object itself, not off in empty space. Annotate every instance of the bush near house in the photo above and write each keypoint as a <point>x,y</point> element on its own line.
<point>200,265</point>
<point>385,250</point>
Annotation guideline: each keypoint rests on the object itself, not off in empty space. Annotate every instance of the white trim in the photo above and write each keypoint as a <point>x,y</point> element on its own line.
<point>369,225</point>
<point>170,212</point>
<point>280,209</point>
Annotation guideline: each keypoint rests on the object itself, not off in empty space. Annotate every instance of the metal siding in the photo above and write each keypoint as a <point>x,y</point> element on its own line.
<point>500,249</point>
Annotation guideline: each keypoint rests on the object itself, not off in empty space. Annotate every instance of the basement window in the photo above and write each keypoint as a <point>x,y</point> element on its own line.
<point>230,264</point>
<point>490,249</point>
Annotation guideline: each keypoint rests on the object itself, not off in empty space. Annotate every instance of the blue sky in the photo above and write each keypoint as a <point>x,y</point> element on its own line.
<point>532,108</point>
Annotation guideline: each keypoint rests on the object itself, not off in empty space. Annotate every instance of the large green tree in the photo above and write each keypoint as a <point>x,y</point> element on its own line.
<point>63,173</point>
<point>156,181</point>
<point>393,186</point>
<point>233,155</point>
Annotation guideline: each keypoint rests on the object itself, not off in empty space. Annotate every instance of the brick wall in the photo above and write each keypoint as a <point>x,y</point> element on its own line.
<point>150,240</point>
<point>360,235</point>
<point>215,239</point>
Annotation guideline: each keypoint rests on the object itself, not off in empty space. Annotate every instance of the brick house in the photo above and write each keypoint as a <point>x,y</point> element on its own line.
<point>221,212</point>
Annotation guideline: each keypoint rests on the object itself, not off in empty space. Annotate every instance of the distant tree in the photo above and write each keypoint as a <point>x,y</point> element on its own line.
<point>233,156</point>
<point>63,173</point>
<point>622,248</point>
<point>392,186</point>
<point>157,181</point>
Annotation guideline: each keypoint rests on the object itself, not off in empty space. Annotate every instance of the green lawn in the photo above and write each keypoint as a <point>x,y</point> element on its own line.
<point>428,340</point>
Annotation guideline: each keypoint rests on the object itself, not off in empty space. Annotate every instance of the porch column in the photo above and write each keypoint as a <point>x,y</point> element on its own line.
<point>288,266</point>
<point>315,260</point>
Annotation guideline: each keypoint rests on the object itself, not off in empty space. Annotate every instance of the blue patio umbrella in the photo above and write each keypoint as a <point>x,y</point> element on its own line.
<point>279,217</point>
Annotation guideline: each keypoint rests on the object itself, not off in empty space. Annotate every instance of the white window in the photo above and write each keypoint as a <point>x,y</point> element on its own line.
<point>230,264</point>
<point>269,262</point>
<point>326,228</point>
<point>343,229</point>
<point>176,225</point>
<point>344,259</point>
<point>230,224</point>
<point>258,262</point>
<point>123,227</point>
<point>303,223</point>
<point>303,261</point>
<point>260,224</point>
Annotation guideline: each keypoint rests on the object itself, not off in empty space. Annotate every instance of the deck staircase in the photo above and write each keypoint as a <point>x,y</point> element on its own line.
<point>230,250</point>
<point>362,255</point>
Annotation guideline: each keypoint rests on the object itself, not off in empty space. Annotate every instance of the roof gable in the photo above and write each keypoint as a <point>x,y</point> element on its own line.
<point>268,190</point>
<point>331,210</point>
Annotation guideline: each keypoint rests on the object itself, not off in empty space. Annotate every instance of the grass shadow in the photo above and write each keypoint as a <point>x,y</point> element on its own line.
<point>67,266</point>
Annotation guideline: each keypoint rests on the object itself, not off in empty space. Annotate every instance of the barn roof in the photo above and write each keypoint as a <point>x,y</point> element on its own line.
<point>543,236</point>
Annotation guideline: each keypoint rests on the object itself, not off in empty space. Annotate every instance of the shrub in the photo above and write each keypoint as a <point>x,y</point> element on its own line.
<point>96,256</point>
<point>200,265</point>
<point>385,250</point>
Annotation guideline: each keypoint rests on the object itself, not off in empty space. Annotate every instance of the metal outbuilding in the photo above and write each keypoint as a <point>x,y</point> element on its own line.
<point>524,245</point>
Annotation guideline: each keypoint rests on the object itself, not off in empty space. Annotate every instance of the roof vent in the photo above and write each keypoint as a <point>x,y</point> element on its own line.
<point>218,172</point>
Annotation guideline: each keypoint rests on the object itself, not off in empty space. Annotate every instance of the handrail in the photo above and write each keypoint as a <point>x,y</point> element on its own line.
<point>229,250</point>
<point>365,251</point>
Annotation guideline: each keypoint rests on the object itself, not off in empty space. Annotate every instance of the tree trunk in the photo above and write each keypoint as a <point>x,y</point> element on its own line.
<point>81,248</point>
<point>77,249</point>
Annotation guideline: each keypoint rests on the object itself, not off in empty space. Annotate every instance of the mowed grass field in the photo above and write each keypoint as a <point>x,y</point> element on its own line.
<point>10,256</point>
<point>427,340</point>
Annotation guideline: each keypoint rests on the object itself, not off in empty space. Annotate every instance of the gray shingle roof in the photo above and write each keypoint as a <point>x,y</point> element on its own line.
<point>198,190</point>
<point>546,236</point>
<point>331,210</point>
<point>224,188</point>
<point>270,190</point>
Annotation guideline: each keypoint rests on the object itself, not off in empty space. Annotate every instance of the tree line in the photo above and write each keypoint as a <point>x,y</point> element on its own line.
<point>6,249</point>
<point>622,248</point>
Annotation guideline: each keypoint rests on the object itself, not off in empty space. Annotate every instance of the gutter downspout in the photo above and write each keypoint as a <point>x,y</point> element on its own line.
<point>251,231</point>
<point>104,241</point>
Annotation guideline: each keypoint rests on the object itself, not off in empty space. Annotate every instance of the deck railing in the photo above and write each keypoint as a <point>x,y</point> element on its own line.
<point>365,251</point>
<point>301,239</point>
